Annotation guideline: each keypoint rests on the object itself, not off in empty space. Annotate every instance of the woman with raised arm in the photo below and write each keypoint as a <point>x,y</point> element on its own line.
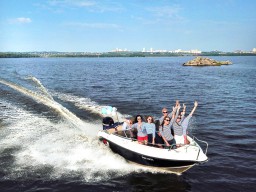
<point>180,125</point>
<point>165,128</point>
<point>159,140</point>
<point>166,113</point>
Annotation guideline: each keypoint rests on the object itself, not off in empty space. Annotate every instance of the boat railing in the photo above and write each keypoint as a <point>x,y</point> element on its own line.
<point>206,149</point>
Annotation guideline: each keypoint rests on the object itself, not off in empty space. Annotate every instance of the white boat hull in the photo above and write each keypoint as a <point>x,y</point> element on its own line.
<point>174,160</point>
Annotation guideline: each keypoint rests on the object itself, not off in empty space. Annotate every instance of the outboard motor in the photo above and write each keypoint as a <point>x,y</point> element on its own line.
<point>108,123</point>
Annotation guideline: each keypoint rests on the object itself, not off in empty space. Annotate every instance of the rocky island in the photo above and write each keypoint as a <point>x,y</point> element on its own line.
<point>204,61</point>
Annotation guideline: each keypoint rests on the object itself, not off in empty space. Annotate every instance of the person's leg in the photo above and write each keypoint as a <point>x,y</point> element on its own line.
<point>146,140</point>
<point>150,139</point>
<point>140,140</point>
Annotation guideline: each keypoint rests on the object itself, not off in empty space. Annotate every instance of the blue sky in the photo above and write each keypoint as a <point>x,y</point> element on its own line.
<point>103,25</point>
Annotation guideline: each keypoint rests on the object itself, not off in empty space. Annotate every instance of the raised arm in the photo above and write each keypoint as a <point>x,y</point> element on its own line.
<point>193,110</point>
<point>183,112</point>
<point>187,119</point>
<point>177,103</point>
<point>175,114</point>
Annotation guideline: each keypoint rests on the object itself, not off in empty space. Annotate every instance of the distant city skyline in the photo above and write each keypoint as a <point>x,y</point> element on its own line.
<point>102,26</point>
<point>178,50</point>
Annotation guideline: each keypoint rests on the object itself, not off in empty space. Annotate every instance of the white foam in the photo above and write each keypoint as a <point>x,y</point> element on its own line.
<point>65,113</point>
<point>40,86</point>
<point>88,105</point>
<point>43,143</point>
<point>66,146</point>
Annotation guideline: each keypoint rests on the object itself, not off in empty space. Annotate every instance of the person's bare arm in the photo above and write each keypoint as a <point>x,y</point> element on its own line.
<point>193,110</point>
<point>183,112</point>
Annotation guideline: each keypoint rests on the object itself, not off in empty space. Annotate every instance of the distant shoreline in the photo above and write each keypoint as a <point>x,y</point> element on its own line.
<point>114,54</point>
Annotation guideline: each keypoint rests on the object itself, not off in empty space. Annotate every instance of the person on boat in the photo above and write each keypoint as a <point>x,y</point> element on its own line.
<point>108,123</point>
<point>159,140</point>
<point>180,125</point>
<point>165,113</point>
<point>150,129</point>
<point>142,136</point>
<point>166,126</point>
<point>127,127</point>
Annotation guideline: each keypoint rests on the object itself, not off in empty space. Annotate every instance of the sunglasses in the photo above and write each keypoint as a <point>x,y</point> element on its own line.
<point>167,119</point>
<point>165,111</point>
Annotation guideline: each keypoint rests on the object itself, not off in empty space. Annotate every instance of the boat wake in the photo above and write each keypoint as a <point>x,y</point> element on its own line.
<point>40,86</point>
<point>88,105</point>
<point>34,145</point>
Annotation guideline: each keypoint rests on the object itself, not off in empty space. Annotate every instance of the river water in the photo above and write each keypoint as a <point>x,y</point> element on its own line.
<point>49,118</point>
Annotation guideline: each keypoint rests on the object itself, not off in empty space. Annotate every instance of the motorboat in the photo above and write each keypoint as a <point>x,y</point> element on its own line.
<point>154,156</point>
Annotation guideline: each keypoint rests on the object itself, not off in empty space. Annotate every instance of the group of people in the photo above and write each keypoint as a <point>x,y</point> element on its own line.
<point>170,130</point>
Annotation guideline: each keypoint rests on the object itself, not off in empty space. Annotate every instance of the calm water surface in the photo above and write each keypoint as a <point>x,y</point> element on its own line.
<point>49,121</point>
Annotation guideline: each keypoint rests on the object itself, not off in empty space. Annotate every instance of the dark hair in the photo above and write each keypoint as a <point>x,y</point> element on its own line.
<point>179,115</point>
<point>136,121</point>
<point>153,121</point>
<point>164,119</point>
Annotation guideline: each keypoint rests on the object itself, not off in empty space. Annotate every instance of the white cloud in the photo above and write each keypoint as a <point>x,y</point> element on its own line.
<point>21,20</point>
<point>84,3</point>
<point>166,11</point>
<point>162,15</point>
<point>95,25</point>
<point>78,3</point>
<point>91,5</point>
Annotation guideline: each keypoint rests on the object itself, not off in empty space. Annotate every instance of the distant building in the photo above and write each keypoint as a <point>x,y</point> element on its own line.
<point>194,51</point>
<point>119,50</point>
<point>178,51</point>
<point>151,50</point>
<point>254,50</point>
